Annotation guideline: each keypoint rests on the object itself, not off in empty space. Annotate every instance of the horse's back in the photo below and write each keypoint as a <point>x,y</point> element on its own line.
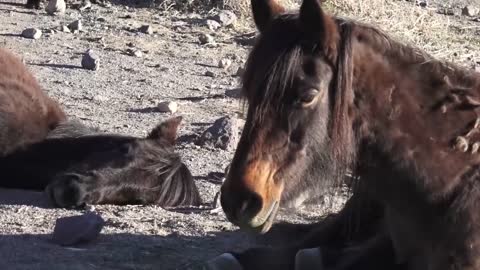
<point>26,112</point>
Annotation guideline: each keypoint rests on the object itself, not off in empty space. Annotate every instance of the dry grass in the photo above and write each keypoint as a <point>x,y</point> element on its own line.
<point>445,37</point>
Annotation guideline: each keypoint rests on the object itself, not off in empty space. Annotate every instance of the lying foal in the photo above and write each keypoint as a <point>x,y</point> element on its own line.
<point>77,165</point>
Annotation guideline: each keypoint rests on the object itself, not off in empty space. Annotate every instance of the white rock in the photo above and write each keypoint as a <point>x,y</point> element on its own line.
<point>32,33</point>
<point>75,26</point>
<point>56,7</point>
<point>167,107</point>
<point>205,39</point>
<point>226,17</point>
<point>470,11</point>
<point>90,60</point>
<point>146,29</point>
<point>224,63</point>
<point>213,25</point>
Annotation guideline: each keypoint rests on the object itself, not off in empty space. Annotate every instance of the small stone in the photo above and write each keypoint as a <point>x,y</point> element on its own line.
<point>422,3</point>
<point>205,39</point>
<point>224,63</point>
<point>65,29</point>
<point>74,230</point>
<point>101,98</point>
<point>226,17</point>
<point>90,60</point>
<point>240,71</point>
<point>86,4</point>
<point>75,26</point>
<point>475,147</point>
<point>234,93</point>
<point>213,25</point>
<point>477,67</point>
<point>32,33</point>
<point>470,11</point>
<point>223,134</point>
<point>136,53</point>
<point>209,73</point>
<point>101,19</point>
<point>167,107</point>
<point>146,29</point>
<point>56,7</point>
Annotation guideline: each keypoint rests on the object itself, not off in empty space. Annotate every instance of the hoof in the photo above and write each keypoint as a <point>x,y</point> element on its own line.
<point>226,261</point>
<point>308,259</point>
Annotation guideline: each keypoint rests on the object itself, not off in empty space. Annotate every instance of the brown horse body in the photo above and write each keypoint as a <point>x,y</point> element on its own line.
<point>327,94</point>
<point>76,165</point>
<point>27,114</point>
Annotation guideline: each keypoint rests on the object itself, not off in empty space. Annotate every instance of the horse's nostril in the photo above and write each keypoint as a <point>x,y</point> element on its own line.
<point>249,206</point>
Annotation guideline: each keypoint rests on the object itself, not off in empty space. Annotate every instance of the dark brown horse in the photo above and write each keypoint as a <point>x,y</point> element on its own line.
<point>326,95</point>
<point>76,165</point>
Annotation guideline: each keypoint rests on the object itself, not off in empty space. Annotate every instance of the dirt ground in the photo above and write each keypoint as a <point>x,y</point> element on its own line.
<point>121,97</point>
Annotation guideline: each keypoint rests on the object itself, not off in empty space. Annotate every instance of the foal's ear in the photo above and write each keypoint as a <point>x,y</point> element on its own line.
<point>264,11</point>
<point>166,130</point>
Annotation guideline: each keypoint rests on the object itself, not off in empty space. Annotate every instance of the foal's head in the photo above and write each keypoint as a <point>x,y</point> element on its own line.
<point>294,129</point>
<point>116,169</point>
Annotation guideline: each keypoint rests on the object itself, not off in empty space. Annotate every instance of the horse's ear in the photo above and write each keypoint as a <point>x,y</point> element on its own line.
<point>264,11</point>
<point>313,19</point>
<point>166,130</point>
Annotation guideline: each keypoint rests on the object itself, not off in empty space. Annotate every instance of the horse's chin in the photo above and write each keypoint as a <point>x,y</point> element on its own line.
<point>263,223</point>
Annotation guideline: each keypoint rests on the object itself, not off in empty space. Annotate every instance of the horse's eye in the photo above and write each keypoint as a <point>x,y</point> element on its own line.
<point>308,97</point>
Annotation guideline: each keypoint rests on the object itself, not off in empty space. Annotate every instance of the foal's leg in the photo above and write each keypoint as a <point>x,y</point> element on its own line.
<point>355,222</point>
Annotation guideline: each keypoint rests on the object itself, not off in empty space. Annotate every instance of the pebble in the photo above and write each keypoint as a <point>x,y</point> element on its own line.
<point>101,98</point>
<point>234,93</point>
<point>209,73</point>
<point>75,26</point>
<point>74,230</point>
<point>422,3</point>
<point>90,60</point>
<point>213,25</point>
<point>224,133</point>
<point>86,4</point>
<point>56,7</point>
<point>205,39</point>
<point>470,11</point>
<point>32,33</point>
<point>226,17</point>
<point>167,107</point>
<point>224,63</point>
<point>65,29</point>
<point>146,29</point>
<point>134,52</point>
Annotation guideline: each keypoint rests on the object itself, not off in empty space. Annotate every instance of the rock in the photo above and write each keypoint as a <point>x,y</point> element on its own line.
<point>32,33</point>
<point>224,63</point>
<point>146,29</point>
<point>65,29</point>
<point>74,230</point>
<point>167,107</point>
<point>100,98</point>
<point>422,3</point>
<point>470,11</point>
<point>75,26</point>
<point>209,73</point>
<point>234,93</point>
<point>240,71</point>
<point>213,25</point>
<point>205,39</point>
<point>223,134</point>
<point>477,67</point>
<point>90,60</point>
<point>226,17</point>
<point>86,4</point>
<point>134,52</point>
<point>56,7</point>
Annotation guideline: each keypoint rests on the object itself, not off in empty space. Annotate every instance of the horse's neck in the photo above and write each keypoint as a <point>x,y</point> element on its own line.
<point>407,111</point>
